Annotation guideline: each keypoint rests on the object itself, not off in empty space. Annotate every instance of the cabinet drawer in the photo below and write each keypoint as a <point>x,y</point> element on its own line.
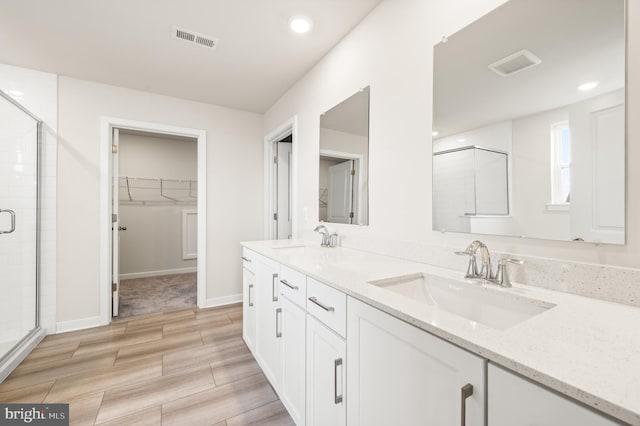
<point>293,284</point>
<point>248,259</point>
<point>328,305</point>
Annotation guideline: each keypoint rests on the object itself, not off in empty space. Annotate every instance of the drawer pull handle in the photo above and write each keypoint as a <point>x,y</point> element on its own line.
<point>278,329</point>
<point>274,288</point>
<point>246,259</point>
<point>250,294</point>
<point>465,392</point>
<point>322,305</point>
<point>292,287</point>
<point>337,398</point>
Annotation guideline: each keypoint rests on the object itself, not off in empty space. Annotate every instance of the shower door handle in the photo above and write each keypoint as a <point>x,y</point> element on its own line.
<point>13,221</point>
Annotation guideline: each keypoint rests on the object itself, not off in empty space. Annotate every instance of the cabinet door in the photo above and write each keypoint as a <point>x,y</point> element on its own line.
<point>293,345</point>
<point>401,375</point>
<point>516,401</point>
<point>249,308</point>
<point>268,317</point>
<point>326,373</point>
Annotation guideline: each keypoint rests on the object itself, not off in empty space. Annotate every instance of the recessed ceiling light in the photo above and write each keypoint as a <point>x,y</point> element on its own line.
<point>300,24</point>
<point>462,140</point>
<point>434,133</point>
<point>587,86</point>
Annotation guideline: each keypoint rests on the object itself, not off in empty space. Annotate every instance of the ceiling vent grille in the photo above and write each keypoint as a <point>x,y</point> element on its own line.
<point>195,38</point>
<point>515,63</point>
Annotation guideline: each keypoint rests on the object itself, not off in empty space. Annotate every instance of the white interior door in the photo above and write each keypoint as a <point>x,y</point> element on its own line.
<point>598,170</point>
<point>283,217</point>
<point>340,193</point>
<point>115,226</point>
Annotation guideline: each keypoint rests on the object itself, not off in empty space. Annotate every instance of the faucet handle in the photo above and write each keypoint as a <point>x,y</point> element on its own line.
<point>472,268</point>
<point>502,278</point>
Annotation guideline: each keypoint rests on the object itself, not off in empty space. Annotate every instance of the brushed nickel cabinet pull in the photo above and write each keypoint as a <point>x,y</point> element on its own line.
<point>246,259</point>
<point>274,290</point>
<point>322,305</point>
<point>250,295</point>
<point>465,392</point>
<point>337,398</point>
<point>291,286</point>
<point>278,331</point>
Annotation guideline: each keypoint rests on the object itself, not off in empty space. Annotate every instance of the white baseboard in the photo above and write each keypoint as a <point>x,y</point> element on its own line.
<point>78,324</point>
<point>221,301</point>
<point>158,273</point>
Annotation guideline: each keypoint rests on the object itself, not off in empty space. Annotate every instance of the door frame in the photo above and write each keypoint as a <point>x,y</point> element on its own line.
<point>289,127</point>
<point>358,160</point>
<point>106,126</point>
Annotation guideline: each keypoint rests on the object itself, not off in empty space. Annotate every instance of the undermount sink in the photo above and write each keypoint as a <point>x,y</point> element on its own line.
<point>466,299</point>
<point>289,248</point>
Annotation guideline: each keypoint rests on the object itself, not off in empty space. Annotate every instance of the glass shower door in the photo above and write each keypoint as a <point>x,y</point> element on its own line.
<point>19,140</point>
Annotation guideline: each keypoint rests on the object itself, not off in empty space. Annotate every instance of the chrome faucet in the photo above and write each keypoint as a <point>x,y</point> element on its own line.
<point>502,278</point>
<point>328,240</point>
<point>472,270</point>
<point>486,272</point>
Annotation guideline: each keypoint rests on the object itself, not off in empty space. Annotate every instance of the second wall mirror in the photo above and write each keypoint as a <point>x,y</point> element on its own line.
<point>529,123</point>
<point>344,161</point>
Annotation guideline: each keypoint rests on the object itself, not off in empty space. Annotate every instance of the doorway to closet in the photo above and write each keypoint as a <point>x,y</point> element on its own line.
<point>156,217</point>
<point>170,189</point>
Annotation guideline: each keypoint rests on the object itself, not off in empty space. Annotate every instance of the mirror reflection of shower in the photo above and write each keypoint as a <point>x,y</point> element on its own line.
<point>343,194</point>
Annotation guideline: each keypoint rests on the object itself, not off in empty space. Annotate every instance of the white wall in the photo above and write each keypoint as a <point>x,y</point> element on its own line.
<point>234,169</point>
<point>391,50</point>
<point>152,243</point>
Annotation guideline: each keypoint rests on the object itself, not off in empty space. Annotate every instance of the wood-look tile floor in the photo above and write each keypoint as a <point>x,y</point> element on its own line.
<point>189,367</point>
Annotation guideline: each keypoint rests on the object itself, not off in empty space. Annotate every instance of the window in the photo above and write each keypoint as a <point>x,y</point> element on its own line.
<point>560,163</point>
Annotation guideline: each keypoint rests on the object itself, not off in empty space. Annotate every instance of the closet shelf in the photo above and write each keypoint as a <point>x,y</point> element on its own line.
<point>144,190</point>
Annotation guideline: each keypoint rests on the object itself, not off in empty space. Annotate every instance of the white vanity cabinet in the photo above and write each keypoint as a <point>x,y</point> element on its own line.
<point>293,343</point>
<point>326,355</point>
<point>399,374</point>
<point>248,300</point>
<point>268,319</point>
<point>326,376</point>
<point>516,401</point>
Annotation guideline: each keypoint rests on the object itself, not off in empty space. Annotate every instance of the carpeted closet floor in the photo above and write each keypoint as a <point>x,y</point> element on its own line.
<point>164,293</point>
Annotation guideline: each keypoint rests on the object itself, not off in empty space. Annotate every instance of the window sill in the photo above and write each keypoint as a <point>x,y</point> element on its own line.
<point>558,207</point>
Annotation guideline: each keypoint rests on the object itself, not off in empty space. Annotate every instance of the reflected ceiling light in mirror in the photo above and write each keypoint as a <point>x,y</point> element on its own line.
<point>300,24</point>
<point>588,86</point>
<point>434,133</point>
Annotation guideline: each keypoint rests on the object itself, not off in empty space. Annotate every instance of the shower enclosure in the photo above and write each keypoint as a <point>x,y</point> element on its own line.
<point>20,135</point>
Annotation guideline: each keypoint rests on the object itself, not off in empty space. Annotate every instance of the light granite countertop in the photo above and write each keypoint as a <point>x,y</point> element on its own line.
<point>587,349</point>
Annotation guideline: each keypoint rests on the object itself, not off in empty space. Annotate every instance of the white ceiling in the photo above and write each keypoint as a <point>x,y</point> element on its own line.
<point>577,40</point>
<point>129,43</point>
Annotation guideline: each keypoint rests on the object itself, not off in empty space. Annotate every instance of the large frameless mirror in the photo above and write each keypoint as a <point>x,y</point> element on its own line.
<point>529,123</point>
<point>344,161</point>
